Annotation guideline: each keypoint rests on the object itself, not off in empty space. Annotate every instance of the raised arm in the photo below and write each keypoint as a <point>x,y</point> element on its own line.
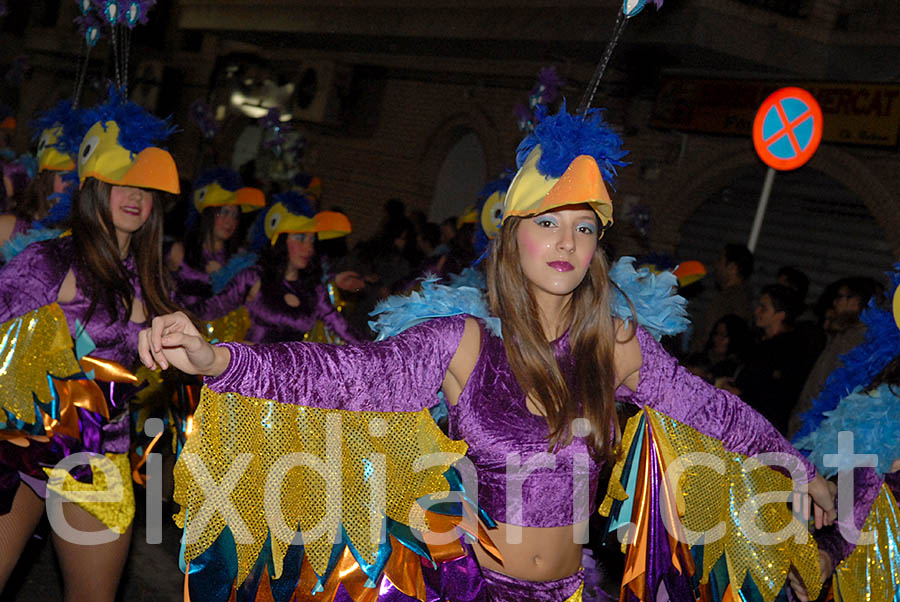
<point>663,384</point>
<point>402,373</point>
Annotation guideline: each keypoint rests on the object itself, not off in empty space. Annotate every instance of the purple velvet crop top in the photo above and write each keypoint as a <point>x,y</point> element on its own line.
<point>404,373</point>
<point>33,279</point>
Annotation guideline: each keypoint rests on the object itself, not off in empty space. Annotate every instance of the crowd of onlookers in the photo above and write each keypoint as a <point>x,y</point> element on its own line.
<point>774,349</point>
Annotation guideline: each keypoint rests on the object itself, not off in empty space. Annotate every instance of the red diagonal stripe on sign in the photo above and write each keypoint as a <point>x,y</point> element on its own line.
<point>789,126</point>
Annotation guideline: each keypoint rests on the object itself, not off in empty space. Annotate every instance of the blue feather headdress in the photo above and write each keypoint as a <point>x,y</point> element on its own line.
<point>223,176</point>
<point>578,152</point>
<point>72,121</point>
<point>564,136</point>
<point>227,178</point>
<point>294,202</point>
<point>138,128</point>
<point>490,211</point>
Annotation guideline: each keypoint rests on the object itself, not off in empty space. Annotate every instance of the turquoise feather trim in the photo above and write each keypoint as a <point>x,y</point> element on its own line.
<point>872,418</point>
<point>17,244</point>
<point>658,310</point>
<point>237,264</point>
<point>397,313</point>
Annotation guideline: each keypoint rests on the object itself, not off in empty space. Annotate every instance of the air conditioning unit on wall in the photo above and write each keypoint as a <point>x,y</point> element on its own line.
<point>316,86</point>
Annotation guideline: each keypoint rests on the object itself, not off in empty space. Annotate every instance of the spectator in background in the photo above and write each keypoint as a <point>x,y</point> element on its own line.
<point>794,279</point>
<point>778,364</point>
<point>725,351</point>
<point>806,323</point>
<point>732,273</point>
<point>448,233</point>
<point>844,331</point>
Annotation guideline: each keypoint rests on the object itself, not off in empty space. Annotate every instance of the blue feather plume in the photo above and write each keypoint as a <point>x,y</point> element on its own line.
<point>138,129</point>
<point>226,178</point>
<point>17,244</point>
<point>296,202</point>
<point>237,264</point>
<point>73,121</point>
<point>562,137</point>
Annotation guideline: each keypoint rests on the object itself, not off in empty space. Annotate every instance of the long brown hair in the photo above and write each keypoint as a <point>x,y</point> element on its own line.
<point>104,277</point>
<point>591,338</point>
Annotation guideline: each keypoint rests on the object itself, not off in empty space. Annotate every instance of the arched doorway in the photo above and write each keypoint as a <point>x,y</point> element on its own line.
<point>813,223</point>
<point>462,175</point>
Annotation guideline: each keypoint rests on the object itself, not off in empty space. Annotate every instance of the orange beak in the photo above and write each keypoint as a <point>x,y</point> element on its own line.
<point>689,272</point>
<point>153,168</point>
<point>250,199</point>
<point>331,224</point>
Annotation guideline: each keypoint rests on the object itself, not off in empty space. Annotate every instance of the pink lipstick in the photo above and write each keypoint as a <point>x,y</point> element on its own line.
<point>561,266</point>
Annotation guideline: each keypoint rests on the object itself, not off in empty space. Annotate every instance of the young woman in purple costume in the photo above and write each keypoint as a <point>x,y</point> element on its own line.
<point>219,201</point>
<point>562,357</point>
<point>106,278</point>
<point>284,294</point>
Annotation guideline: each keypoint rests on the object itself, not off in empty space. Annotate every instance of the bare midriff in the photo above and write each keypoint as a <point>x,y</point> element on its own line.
<point>542,554</point>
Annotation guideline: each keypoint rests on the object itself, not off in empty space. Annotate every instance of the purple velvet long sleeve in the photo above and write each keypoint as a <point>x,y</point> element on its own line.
<point>400,374</point>
<point>668,387</point>
<point>233,296</point>
<point>32,278</point>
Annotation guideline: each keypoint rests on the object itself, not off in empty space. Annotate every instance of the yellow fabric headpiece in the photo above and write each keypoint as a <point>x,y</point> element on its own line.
<point>532,193</point>
<point>213,195</point>
<point>492,213</point>
<point>325,224</point>
<point>100,156</point>
<point>48,157</point>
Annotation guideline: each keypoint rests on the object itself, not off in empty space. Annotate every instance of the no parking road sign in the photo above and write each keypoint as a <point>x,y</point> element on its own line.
<point>787,128</point>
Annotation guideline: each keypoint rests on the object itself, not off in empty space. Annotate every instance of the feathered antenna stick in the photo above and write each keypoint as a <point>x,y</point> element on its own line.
<point>629,9</point>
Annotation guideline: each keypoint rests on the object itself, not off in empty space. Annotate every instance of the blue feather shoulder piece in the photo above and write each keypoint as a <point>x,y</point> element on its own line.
<point>237,264</point>
<point>433,300</point>
<point>858,366</point>
<point>657,307</point>
<point>17,244</point>
<point>872,418</point>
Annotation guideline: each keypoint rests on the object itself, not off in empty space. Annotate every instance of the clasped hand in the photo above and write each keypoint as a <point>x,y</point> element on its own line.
<point>174,340</point>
